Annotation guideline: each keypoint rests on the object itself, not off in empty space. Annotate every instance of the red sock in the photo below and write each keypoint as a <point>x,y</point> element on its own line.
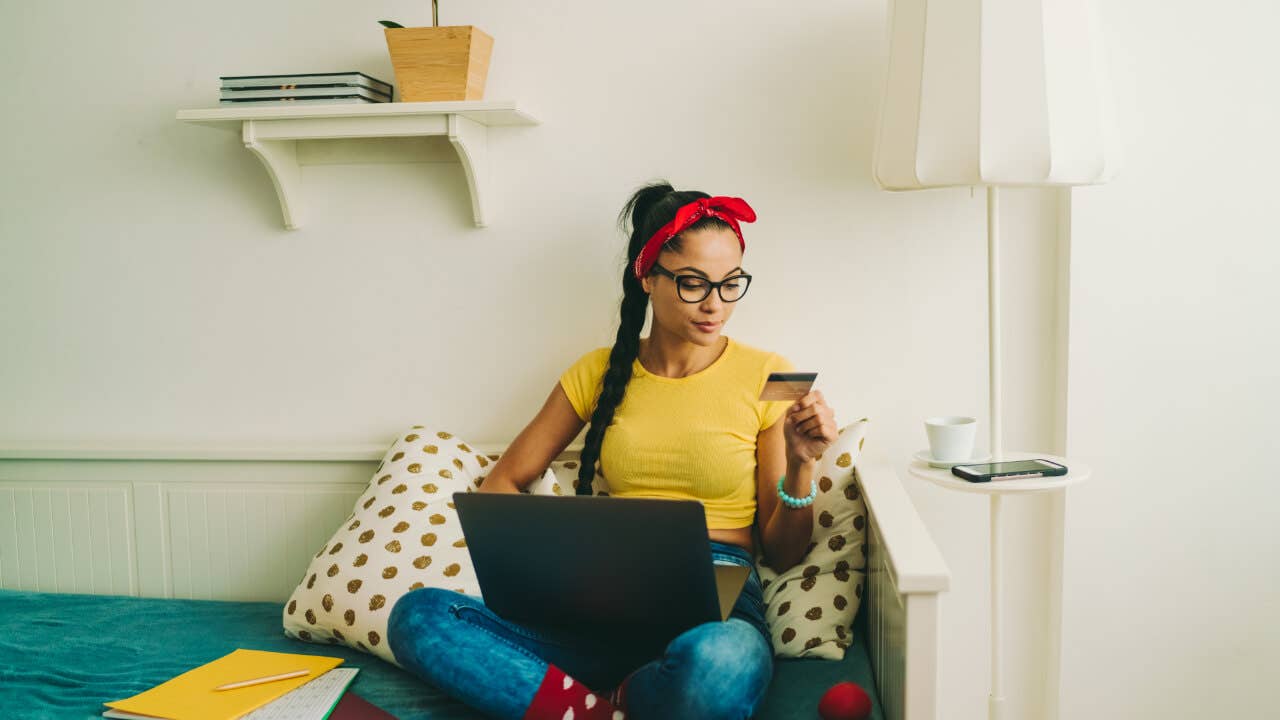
<point>560,697</point>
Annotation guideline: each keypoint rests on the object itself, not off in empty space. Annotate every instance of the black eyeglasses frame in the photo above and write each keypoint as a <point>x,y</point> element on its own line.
<point>710,285</point>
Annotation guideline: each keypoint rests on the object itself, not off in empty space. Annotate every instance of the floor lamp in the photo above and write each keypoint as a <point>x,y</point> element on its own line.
<point>995,93</point>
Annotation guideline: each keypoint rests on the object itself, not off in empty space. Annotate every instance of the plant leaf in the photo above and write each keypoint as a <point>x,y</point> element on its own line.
<point>390,24</point>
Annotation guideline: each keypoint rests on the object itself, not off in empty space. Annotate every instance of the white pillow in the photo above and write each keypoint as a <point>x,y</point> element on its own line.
<point>402,534</point>
<point>562,479</point>
<point>811,606</point>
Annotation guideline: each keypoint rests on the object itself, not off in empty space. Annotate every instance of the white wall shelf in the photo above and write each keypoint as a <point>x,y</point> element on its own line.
<point>272,134</point>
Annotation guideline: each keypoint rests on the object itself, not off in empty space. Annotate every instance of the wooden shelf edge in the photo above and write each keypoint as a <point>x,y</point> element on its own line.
<point>492,113</point>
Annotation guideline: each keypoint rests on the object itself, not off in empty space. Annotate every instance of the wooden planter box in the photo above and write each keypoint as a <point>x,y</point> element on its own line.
<point>440,63</point>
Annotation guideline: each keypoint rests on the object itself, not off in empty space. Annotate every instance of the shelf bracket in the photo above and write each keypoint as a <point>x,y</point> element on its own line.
<point>280,158</point>
<point>471,140</point>
<point>272,133</point>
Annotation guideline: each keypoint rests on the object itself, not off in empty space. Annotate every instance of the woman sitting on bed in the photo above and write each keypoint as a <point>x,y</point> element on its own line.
<point>673,415</point>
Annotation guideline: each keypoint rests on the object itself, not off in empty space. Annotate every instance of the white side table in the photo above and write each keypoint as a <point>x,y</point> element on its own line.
<point>997,489</point>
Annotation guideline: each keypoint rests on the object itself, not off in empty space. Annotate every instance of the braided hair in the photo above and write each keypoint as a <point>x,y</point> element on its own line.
<point>651,207</point>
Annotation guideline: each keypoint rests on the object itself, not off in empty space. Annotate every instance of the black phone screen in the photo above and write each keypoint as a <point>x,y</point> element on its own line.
<point>1018,466</point>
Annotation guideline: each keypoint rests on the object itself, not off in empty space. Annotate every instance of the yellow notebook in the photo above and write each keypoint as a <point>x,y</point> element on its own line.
<point>191,695</point>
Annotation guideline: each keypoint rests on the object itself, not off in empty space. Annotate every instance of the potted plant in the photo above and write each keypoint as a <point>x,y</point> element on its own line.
<point>438,63</point>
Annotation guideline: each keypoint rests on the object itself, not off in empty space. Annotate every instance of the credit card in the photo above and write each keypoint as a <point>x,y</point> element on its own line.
<point>789,386</point>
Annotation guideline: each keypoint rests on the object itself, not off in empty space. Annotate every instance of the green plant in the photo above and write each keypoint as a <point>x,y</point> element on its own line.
<point>435,17</point>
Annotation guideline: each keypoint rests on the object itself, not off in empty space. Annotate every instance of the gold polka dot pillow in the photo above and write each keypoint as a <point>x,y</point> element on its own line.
<point>402,534</point>
<point>810,607</point>
<point>562,479</point>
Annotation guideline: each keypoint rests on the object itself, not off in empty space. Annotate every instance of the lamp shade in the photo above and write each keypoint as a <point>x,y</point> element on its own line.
<point>995,92</point>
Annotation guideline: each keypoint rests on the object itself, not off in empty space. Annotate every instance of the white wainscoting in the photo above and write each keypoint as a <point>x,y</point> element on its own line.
<point>885,615</point>
<point>68,538</point>
<point>217,530</point>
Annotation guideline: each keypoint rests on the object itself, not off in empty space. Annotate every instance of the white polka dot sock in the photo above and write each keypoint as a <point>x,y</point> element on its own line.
<point>560,697</point>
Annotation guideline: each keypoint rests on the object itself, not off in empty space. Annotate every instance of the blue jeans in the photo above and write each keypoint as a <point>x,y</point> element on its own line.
<point>715,670</point>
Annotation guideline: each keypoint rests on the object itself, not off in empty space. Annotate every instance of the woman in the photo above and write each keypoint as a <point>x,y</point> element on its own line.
<point>673,415</point>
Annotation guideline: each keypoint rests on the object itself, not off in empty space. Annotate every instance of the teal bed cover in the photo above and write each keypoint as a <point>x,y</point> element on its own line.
<point>63,655</point>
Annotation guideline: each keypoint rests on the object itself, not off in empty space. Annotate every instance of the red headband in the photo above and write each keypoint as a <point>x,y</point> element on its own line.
<point>728,209</point>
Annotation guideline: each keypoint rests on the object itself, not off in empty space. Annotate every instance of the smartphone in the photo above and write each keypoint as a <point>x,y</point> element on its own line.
<point>1012,470</point>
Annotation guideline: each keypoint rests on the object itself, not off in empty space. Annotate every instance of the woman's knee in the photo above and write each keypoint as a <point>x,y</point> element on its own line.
<point>419,607</point>
<point>732,645</point>
<point>416,618</point>
<point>728,666</point>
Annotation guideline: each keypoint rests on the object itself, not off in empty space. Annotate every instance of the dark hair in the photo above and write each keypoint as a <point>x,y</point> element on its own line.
<point>651,207</point>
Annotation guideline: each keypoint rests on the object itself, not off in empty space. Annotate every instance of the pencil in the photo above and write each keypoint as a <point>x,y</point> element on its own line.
<point>259,681</point>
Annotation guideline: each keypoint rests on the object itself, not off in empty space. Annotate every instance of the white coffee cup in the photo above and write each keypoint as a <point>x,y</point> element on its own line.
<point>951,437</point>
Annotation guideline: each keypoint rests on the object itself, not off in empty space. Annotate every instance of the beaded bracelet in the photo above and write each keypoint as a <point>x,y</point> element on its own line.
<point>793,502</point>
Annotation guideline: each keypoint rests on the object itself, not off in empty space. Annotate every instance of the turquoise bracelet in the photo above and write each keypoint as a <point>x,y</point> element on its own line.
<point>792,502</point>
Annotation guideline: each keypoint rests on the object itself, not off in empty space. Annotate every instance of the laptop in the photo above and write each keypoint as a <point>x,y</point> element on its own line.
<point>596,564</point>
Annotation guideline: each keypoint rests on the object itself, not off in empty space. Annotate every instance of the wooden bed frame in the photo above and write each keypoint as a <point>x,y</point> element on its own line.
<point>242,524</point>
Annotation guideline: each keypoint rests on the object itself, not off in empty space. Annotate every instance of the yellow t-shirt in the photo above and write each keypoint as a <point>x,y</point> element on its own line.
<point>685,438</point>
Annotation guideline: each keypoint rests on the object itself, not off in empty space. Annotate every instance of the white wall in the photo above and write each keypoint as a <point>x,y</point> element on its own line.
<point>152,295</point>
<point>150,298</point>
<point>1172,552</point>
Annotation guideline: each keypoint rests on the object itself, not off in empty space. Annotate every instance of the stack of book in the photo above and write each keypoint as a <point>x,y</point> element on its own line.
<point>254,685</point>
<point>313,88</point>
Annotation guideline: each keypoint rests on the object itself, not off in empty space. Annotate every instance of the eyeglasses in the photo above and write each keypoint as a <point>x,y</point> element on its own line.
<point>695,288</point>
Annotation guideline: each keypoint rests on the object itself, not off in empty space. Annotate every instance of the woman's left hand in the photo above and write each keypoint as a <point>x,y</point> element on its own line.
<point>810,427</point>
